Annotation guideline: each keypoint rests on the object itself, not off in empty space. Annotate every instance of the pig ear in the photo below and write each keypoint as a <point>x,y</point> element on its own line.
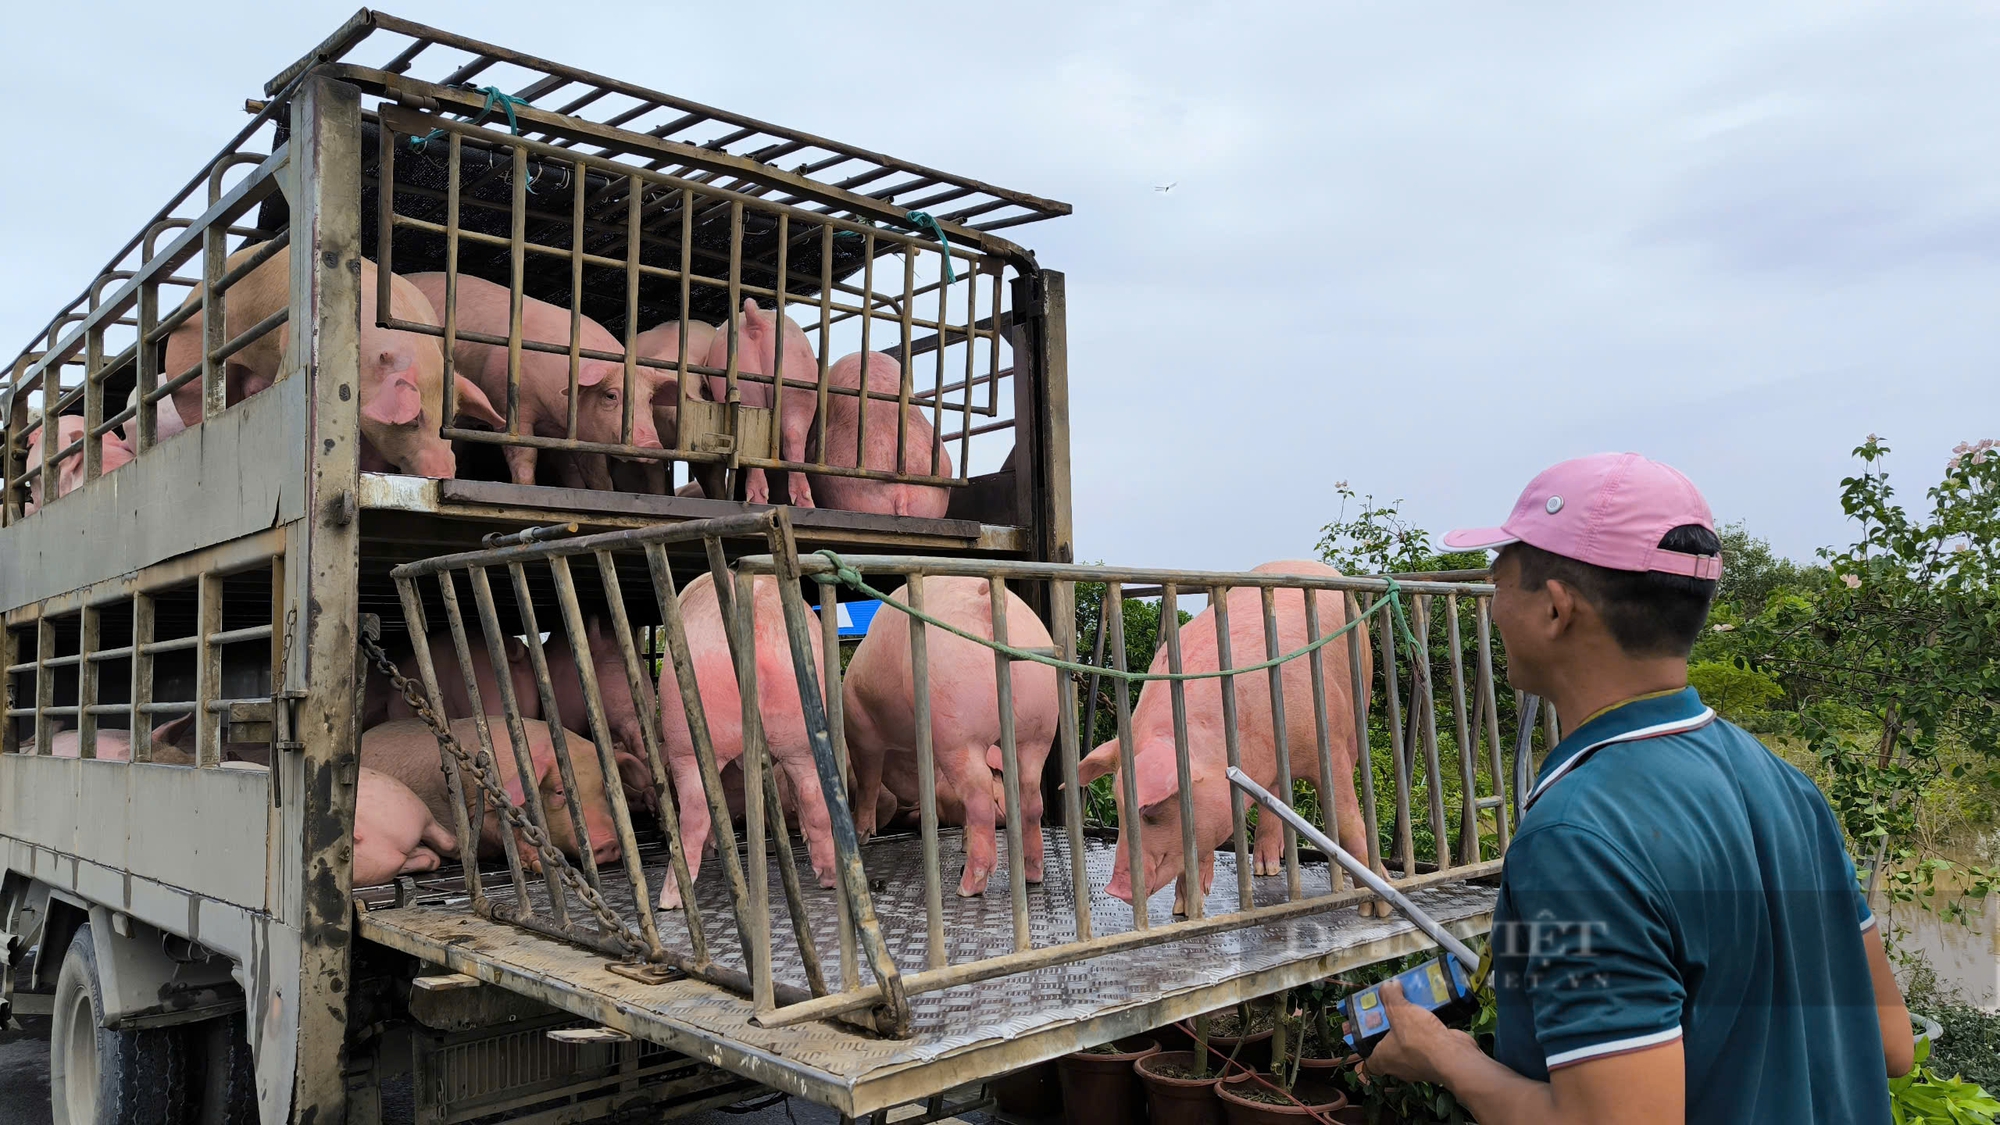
<point>1159,779</point>
<point>473,404</point>
<point>170,732</point>
<point>1097,763</point>
<point>396,402</point>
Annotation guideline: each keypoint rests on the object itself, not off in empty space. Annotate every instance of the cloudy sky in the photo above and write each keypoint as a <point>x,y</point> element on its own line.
<point>1426,249</point>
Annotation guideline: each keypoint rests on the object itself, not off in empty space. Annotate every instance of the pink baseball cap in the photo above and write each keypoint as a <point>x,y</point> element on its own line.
<point>1609,510</point>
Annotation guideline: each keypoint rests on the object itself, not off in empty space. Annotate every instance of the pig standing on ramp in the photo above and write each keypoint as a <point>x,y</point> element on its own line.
<point>878,701</point>
<point>1158,780</point>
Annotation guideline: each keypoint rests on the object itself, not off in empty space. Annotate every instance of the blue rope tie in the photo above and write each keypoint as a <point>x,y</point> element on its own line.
<point>494,97</point>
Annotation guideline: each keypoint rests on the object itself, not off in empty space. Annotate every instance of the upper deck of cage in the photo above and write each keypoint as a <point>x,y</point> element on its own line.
<point>743,179</point>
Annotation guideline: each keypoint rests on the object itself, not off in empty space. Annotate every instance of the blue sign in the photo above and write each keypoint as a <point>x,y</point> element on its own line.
<point>855,617</point>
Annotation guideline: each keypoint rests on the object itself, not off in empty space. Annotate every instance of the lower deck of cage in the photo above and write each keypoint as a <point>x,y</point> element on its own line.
<point>947,1022</point>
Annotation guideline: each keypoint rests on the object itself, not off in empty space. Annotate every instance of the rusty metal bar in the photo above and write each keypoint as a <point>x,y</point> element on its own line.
<point>1193,901</point>
<point>634,189</point>
<point>600,732</point>
<point>788,875</point>
<point>741,627</point>
<point>88,626</point>
<point>779,324</point>
<point>1239,817</point>
<point>920,673</point>
<point>1010,763</point>
<point>1426,689</point>
<point>667,601</point>
<point>516,281</point>
<point>1467,732</point>
<point>892,1014</point>
<point>208,670</point>
<point>1405,843</point>
<point>531,633</point>
<point>1048,956</point>
<point>1129,820</point>
<point>1281,739</point>
<point>454,162</point>
<point>468,838</point>
<point>648,709</point>
<point>1482,620</point>
<point>826,340</point>
<point>510,713</point>
<point>1062,611</point>
<point>682,392</point>
<point>143,624</point>
<point>1359,683</point>
<point>829,632</point>
<point>1322,734</point>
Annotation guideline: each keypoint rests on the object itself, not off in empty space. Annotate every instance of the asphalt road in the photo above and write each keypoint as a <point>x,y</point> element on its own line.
<point>24,1076</point>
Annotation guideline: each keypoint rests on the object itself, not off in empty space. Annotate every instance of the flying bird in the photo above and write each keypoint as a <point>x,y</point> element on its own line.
<point>1167,187</point>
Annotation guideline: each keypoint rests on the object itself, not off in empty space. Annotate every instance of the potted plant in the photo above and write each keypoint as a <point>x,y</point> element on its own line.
<point>1244,1033</point>
<point>1278,1097</point>
<point>1099,1086</point>
<point>1180,1085</point>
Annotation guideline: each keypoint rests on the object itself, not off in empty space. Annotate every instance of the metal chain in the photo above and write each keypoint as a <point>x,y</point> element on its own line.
<point>495,791</point>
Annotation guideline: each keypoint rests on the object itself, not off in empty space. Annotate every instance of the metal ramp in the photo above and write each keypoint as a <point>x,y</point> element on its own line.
<point>958,1034</point>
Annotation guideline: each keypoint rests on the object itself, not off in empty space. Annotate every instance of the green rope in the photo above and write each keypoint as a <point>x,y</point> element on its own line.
<point>494,97</point>
<point>922,221</point>
<point>1391,598</point>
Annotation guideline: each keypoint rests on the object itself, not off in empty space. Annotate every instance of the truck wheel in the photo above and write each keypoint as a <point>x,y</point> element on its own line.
<point>98,1076</point>
<point>229,1086</point>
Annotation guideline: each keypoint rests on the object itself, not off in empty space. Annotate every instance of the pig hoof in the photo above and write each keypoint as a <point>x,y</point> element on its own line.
<point>1180,907</point>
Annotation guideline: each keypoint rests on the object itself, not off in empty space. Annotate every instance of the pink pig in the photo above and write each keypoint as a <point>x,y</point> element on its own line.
<point>757,355</point>
<point>69,470</point>
<point>614,691</point>
<point>1158,781</point>
<point>406,750</point>
<point>878,448</point>
<point>663,342</point>
<point>382,703</point>
<point>401,382</point>
<point>777,702</point>
<point>544,390</point>
<point>173,743</point>
<point>878,702</point>
<point>394,832</point>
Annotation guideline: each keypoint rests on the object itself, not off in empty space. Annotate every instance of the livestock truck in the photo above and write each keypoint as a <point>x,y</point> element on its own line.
<point>178,552</point>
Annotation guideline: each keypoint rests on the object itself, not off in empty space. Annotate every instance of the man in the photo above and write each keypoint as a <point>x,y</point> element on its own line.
<point>1679,934</point>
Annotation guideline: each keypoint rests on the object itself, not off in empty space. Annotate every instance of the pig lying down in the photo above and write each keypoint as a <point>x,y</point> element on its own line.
<point>1158,779</point>
<point>395,833</point>
<point>406,750</point>
<point>878,700</point>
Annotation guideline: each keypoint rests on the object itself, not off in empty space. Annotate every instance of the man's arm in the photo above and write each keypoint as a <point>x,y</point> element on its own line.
<point>1898,1040</point>
<point>1643,1087</point>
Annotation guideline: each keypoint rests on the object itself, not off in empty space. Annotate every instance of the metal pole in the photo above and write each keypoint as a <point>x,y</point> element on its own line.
<point>1358,869</point>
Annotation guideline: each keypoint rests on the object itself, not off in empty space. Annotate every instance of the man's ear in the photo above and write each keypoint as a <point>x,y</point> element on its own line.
<point>1565,607</point>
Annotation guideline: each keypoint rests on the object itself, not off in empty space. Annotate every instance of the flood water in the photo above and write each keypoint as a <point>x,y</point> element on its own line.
<point>1966,957</point>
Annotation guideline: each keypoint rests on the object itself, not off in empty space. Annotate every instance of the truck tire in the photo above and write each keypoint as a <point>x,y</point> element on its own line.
<point>98,1076</point>
<point>229,1077</point>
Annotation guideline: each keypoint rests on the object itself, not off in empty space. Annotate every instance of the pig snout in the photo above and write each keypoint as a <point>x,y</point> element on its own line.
<point>438,464</point>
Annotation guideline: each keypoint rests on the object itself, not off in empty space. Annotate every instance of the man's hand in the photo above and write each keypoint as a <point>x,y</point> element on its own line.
<point>1418,1046</point>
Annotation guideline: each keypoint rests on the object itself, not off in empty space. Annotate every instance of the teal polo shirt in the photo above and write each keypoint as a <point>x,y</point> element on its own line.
<point>1674,879</point>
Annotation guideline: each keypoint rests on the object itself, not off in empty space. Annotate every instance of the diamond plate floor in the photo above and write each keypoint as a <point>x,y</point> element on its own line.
<point>1007,1022</point>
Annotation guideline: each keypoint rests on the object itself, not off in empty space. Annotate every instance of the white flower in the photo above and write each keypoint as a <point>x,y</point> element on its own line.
<point>1873,438</point>
<point>1979,458</point>
<point>1962,547</point>
<point>1853,581</point>
<point>1725,628</point>
<point>1962,447</point>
